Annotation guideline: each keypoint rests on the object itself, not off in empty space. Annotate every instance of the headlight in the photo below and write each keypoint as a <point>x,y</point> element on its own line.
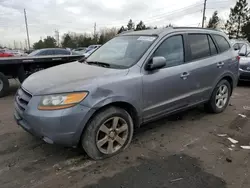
<point>61,101</point>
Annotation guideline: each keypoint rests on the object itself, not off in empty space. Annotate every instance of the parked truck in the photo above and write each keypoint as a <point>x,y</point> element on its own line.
<point>22,67</point>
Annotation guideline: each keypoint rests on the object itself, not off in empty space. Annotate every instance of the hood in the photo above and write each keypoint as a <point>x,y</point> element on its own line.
<point>68,77</point>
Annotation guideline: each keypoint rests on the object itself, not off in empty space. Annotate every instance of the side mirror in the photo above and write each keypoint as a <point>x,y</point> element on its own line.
<point>156,63</point>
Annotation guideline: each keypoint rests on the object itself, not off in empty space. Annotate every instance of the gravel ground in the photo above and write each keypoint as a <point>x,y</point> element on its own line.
<point>180,151</point>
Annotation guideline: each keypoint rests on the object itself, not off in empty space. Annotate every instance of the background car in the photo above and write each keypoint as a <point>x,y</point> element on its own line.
<point>244,61</point>
<point>18,53</point>
<point>50,51</point>
<point>237,44</point>
<point>4,53</point>
<point>80,49</point>
<point>91,47</point>
<point>87,54</point>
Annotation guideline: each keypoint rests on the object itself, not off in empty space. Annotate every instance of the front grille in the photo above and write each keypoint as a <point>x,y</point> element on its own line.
<point>22,99</point>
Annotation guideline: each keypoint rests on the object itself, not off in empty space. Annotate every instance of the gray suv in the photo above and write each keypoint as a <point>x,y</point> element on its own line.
<point>133,79</point>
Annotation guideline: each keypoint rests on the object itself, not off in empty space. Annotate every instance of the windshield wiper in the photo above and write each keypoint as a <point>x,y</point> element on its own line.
<point>101,64</point>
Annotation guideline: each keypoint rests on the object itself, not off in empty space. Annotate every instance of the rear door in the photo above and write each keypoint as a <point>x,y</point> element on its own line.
<point>204,62</point>
<point>227,59</point>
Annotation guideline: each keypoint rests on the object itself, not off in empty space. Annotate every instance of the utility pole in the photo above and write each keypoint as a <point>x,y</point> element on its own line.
<point>95,37</point>
<point>27,30</point>
<point>204,13</point>
<point>21,45</point>
<point>25,42</point>
<point>57,37</point>
<point>14,44</point>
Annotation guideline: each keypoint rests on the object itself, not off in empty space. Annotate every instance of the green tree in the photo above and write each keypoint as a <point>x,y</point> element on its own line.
<point>237,19</point>
<point>169,25</point>
<point>140,26</point>
<point>106,34</point>
<point>131,25</point>
<point>38,45</point>
<point>122,29</point>
<point>68,42</point>
<point>101,39</point>
<point>49,42</point>
<point>214,21</point>
<point>246,31</point>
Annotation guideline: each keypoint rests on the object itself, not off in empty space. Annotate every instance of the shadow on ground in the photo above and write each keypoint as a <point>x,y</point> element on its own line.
<point>175,171</point>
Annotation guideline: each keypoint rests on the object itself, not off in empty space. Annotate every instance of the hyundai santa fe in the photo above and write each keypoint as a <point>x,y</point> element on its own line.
<point>133,79</point>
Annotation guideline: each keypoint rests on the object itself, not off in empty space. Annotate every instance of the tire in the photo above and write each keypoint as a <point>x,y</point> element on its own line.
<point>211,105</point>
<point>92,134</point>
<point>4,85</point>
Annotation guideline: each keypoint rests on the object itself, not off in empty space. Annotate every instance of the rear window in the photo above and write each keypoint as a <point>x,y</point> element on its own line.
<point>199,46</point>
<point>222,43</point>
<point>61,52</point>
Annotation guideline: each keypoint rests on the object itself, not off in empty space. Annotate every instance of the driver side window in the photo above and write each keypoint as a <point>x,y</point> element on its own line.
<point>172,49</point>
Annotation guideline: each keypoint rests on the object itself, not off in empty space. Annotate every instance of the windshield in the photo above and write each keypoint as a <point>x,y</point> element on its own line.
<point>122,51</point>
<point>34,53</point>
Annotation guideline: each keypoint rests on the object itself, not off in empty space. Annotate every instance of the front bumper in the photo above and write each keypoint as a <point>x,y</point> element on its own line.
<point>62,127</point>
<point>244,75</point>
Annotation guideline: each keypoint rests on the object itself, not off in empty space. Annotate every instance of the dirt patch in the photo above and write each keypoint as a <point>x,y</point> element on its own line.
<point>176,171</point>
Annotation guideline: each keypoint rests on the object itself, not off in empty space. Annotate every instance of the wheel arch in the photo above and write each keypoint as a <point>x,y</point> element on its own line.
<point>131,109</point>
<point>226,76</point>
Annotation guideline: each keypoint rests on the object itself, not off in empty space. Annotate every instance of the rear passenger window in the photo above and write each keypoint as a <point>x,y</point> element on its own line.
<point>64,52</point>
<point>199,46</point>
<point>222,43</point>
<point>172,49</point>
<point>213,49</point>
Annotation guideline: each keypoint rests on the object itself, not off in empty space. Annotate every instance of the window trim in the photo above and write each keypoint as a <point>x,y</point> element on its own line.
<point>216,47</point>
<point>219,52</point>
<point>150,56</point>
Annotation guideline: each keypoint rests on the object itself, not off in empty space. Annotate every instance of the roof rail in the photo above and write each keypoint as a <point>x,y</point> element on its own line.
<point>128,31</point>
<point>195,28</point>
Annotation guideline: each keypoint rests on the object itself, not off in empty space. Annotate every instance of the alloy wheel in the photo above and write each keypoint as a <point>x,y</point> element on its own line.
<point>112,135</point>
<point>221,96</point>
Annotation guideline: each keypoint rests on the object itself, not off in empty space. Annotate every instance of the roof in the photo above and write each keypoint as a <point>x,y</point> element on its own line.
<point>52,49</point>
<point>165,30</point>
<point>145,32</point>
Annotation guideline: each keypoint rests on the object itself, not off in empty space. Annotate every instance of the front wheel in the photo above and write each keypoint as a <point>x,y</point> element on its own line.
<point>108,133</point>
<point>220,97</point>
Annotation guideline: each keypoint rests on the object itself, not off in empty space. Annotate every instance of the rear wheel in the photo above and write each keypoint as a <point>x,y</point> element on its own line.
<point>220,97</point>
<point>4,85</point>
<point>108,133</point>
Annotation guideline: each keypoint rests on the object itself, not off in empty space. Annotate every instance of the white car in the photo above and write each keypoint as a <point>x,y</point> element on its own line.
<point>18,53</point>
<point>87,54</point>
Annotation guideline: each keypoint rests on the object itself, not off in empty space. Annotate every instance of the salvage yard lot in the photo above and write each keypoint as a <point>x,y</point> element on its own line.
<point>181,151</point>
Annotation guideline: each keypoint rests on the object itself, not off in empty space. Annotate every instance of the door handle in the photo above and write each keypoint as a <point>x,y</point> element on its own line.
<point>184,75</point>
<point>220,64</point>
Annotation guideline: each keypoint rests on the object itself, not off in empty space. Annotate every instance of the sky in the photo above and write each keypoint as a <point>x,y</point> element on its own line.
<point>46,16</point>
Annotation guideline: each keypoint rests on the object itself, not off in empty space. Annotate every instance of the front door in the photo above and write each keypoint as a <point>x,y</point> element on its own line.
<point>168,88</point>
